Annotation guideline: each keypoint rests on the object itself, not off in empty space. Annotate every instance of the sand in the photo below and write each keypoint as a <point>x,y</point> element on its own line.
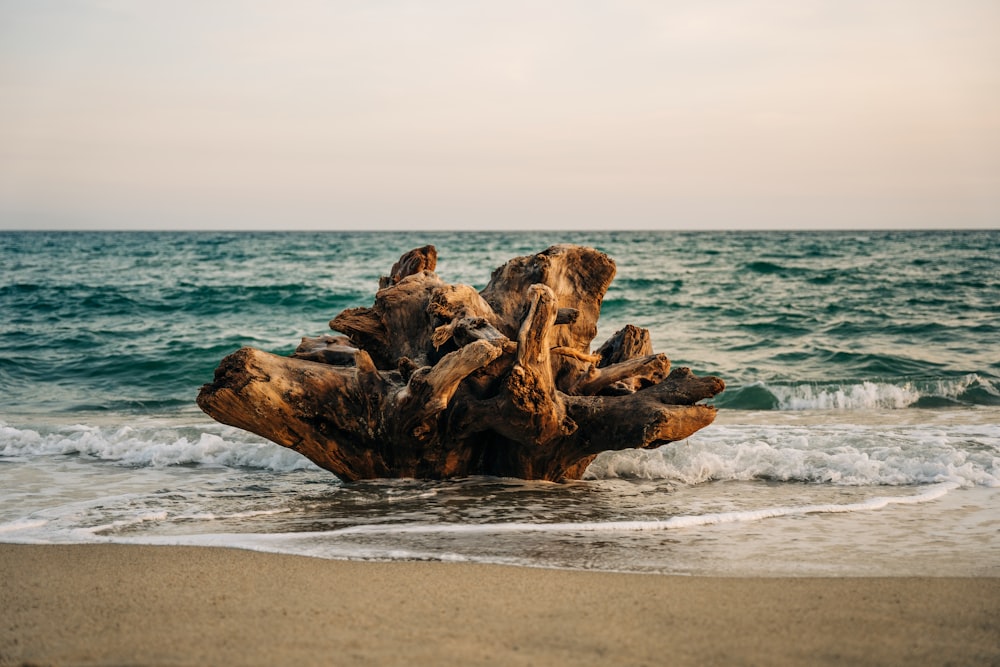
<point>138,605</point>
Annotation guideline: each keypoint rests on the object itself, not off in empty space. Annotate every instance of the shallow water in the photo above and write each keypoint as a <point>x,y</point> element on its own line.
<point>859,434</point>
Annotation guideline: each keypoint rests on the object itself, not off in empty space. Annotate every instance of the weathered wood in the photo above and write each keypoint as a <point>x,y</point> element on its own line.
<point>629,342</point>
<point>327,349</point>
<point>437,380</point>
<point>415,261</point>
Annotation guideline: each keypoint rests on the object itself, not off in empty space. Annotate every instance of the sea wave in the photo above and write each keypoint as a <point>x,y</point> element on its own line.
<point>152,446</point>
<point>840,454</point>
<point>971,389</point>
<point>833,453</point>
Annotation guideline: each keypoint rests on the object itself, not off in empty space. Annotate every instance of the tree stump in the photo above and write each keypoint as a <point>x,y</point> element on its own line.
<point>438,380</point>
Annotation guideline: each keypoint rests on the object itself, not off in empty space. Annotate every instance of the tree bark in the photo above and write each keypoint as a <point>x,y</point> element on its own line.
<point>437,380</point>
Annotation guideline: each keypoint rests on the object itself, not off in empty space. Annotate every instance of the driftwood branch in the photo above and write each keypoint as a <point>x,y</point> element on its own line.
<point>437,380</point>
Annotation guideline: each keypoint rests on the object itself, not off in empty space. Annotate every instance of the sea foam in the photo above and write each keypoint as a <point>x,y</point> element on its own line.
<point>971,389</point>
<point>842,454</point>
<point>152,445</point>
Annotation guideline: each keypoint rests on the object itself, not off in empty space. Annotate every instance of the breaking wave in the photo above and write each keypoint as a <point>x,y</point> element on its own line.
<point>972,389</point>
<point>841,454</point>
<point>847,455</point>
<point>152,446</point>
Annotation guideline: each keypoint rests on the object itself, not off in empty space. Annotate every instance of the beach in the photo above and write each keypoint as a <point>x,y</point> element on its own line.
<point>840,510</point>
<point>140,605</point>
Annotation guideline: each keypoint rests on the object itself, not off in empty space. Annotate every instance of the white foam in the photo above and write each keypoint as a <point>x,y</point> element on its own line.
<point>147,517</point>
<point>866,395</point>
<point>836,453</point>
<point>23,524</point>
<point>872,395</point>
<point>250,514</point>
<point>153,446</point>
<point>842,454</point>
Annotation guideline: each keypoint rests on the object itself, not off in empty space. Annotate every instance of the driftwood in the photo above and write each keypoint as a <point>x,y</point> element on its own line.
<point>437,380</point>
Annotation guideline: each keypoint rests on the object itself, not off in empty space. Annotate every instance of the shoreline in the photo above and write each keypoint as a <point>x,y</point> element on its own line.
<point>169,605</point>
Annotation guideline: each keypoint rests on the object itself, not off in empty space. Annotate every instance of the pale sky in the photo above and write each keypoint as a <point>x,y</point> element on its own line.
<point>456,114</point>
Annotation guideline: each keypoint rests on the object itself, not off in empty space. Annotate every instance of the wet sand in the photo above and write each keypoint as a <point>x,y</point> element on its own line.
<point>138,605</point>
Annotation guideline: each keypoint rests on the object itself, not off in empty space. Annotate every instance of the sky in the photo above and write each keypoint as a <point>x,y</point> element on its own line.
<point>457,114</point>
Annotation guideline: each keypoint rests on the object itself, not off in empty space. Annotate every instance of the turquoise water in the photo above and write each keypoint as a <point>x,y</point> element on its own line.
<point>859,366</point>
<point>136,321</point>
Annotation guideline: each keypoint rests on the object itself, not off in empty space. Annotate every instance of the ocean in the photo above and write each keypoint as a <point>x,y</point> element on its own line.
<point>859,433</point>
